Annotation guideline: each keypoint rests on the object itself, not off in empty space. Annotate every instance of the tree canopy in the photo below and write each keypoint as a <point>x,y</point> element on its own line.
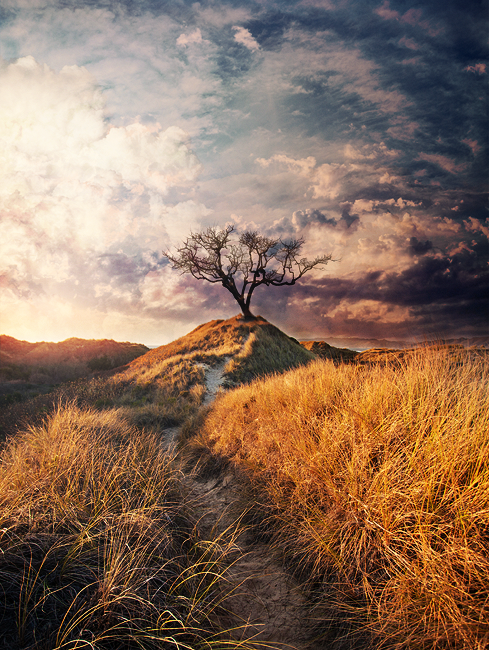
<point>243,263</point>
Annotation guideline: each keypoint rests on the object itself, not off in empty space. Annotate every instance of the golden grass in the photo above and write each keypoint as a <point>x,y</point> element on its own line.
<point>96,547</point>
<point>166,386</point>
<point>375,483</point>
<point>266,351</point>
<point>215,339</point>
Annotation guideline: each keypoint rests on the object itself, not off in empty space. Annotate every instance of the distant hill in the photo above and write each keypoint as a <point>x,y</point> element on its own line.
<point>29,368</point>
<point>13,351</point>
<point>326,351</point>
<point>360,344</point>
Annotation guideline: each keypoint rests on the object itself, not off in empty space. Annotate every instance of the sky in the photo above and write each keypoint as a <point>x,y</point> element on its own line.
<point>357,125</point>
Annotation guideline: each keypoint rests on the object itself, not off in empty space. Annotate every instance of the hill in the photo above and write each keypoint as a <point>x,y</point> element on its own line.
<point>28,368</point>
<point>247,348</point>
<point>371,480</point>
<point>326,351</point>
<point>162,387</point>
<point>73,350</point>
<point>328,498</point>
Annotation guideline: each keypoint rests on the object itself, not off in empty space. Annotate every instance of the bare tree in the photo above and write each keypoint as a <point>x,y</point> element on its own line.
<point>242,264</point>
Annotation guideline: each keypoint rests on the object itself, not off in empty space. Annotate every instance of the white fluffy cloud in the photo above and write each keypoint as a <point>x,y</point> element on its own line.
<point>245,37</point>
<point>325,181</point>
<point>72,186</point>
<point>63,165</point>
<point>186,39</point>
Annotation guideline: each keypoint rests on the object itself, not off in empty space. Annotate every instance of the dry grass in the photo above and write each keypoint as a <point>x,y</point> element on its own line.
<point>266,351</point>
<point>166,386</point>
<point>96,547</point>
<point>374,480</point>
<point>158,396</point>
<point>209,342</point>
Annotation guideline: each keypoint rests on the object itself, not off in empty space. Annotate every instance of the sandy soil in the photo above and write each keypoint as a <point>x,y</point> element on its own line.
<point>267,605</point>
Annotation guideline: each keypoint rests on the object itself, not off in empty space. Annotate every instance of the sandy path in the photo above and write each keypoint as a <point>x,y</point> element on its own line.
<point>213,379</point>
<point>267,606</point>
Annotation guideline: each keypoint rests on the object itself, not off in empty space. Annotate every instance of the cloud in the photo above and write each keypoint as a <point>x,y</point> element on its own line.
<point>413,61</point>
<point>434,295</point>
<point>403,129</point>
<point>324,180</point>
<point>81,200</point>
<point>386,12</point>
<point>473,145</point>
<point>133,54</point>
<point>186,39</point>
<point>409,43</point>
<point>412,17</point>
<point>476,225</point>
<point>371,152</point>
<point>478,68</point>
<point>303,167</point>
<point>417,247</point>
<point>297,115</point>
<point>300,221</point>
<point>327,180</point>
<point>448,164</point>
<point>141,154</point>
<point>245,37</point>
<point>57,142</point>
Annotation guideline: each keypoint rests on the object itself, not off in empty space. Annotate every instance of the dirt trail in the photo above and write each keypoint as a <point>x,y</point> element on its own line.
<point>267,604</point>
<point>214,377</point>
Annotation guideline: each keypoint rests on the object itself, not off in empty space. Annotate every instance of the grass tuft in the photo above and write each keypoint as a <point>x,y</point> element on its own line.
<point>96,546</point>
<point>266,351</point>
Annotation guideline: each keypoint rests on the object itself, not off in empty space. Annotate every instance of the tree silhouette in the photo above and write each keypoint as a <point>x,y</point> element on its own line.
<point>242,264</point>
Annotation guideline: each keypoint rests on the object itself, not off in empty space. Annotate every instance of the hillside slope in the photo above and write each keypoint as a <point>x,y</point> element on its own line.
<point>165,385</point>
<point>325,351</point>
<point>249,348</point>
<point>73,350</point>
<point>27,369</point>
<point>371,480</point>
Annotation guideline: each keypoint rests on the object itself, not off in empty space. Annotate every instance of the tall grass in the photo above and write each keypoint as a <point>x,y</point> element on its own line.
<point>96,546</point>
<point>155,396</point>
<point>374,482</point>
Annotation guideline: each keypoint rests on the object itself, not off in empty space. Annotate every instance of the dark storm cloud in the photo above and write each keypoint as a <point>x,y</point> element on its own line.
<point>448,292</point>
<point>307,217</point>
<point>347,218</point>
<point>412,48</point>
<point>417,247</point>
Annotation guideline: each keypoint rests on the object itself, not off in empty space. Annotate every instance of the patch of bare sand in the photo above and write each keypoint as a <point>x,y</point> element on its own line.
<point>267,607</point>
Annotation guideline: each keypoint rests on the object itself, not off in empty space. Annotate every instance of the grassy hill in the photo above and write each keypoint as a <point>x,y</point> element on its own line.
<point>365,474</point>
<point>29,368</point>
<point>166,385</point>
<point>325,351</point>
<point>266,349</point>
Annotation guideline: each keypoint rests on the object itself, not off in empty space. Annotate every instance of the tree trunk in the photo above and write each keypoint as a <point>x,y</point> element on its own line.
<point>228,283</point>
<point>246,311</point>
